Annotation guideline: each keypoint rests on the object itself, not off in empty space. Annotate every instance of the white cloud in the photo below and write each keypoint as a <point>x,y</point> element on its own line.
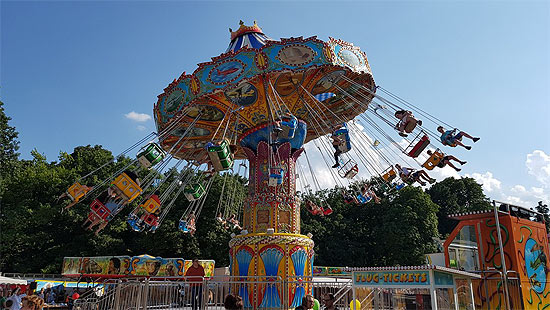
<point>141,127</point>
<point>488,182</point>
<point>138,117</point>
<point>517,194</point>
<point>538,165</point>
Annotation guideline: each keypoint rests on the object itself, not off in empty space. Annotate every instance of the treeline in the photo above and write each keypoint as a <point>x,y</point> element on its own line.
<point>35,234</point>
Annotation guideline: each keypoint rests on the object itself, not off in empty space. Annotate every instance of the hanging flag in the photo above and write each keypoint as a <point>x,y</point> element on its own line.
<point>324,96</point>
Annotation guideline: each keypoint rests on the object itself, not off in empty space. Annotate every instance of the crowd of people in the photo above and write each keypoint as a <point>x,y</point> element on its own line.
<point>17,299</point>
<point>235,302</point>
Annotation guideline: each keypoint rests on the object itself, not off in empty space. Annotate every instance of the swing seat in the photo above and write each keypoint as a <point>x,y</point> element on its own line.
<point>389,175</point>
<point>400,186</point>
<point>151,155</point>
<point>194,192</point>
<point>127,187</point>
<point>276,177</point>
<point>151,220</point>
<point>434,160</point>
<point>288,125</point>
<point>348,170</point>
<point>350,199</point>
<point>363,199</point>
<point>418,145</point>
<point>77,191</point>
<point>99,210</point>
<point>327,211</point>
<point>134,222</point>
<point>220,155</point>
<point>410,125</point>
<point>183,226</point>
<point>151,205</point>
<point>345,146</point>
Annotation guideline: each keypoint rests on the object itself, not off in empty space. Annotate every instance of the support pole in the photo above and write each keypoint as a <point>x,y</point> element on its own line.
<point>502,258</point>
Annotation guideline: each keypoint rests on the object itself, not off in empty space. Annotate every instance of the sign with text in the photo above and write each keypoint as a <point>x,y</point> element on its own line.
<point>392,278</point>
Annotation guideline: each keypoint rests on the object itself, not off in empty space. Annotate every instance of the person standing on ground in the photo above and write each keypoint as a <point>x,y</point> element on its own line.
<point>233,302</point>
<point>328,301</point>
<point>307,303</point>
<point>16,297</point>
<point>32,302</point>
<point>195,275</point>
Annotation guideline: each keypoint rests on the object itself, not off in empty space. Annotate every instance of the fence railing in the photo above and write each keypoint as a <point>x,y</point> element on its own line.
<point>265,293</point>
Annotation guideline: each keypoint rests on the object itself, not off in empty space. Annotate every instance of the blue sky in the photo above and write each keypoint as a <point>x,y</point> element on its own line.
<point>71,71</point>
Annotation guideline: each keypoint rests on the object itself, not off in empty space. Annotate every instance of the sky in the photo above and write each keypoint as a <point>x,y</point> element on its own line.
<point>76,73</point>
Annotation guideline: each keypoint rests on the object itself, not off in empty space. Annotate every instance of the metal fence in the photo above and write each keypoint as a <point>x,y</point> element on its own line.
<point>182,293</point>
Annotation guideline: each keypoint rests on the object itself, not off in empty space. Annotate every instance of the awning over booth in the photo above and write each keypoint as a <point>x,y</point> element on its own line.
<point>6,280</point>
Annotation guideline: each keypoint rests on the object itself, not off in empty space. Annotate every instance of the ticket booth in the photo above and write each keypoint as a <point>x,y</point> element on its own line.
<point>413,288</point>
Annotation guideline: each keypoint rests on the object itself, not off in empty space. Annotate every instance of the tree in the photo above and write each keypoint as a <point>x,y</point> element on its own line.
<point>33,221</point>
<point>397,231</point>
<point>456,196</point>
<point>8,143</point>
<point>543,209</point>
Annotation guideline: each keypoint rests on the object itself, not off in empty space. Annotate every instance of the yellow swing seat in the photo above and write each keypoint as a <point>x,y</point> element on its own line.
<point>127,186</point>
<point>434,160</point>
<point>77,191</point>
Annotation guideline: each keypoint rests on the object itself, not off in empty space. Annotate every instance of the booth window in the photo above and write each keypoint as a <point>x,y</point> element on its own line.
<point>463,251</point>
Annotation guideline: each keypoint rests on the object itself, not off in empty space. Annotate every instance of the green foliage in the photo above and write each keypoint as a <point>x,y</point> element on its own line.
<point>8,149</point>
<point>36,234</point>
<point>8,141</point>
<point>457,196</point>
<point>394,232</point>
<point>543,209</point>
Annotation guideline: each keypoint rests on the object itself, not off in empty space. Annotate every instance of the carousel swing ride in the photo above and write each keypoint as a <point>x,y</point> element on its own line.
<point>249,112</point>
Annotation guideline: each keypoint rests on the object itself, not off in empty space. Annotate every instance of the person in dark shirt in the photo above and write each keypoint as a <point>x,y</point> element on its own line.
<point>307,303</point>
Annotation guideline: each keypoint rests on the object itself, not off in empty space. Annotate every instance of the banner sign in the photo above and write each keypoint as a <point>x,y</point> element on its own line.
<point>143,265</point>
<point>418,278</point>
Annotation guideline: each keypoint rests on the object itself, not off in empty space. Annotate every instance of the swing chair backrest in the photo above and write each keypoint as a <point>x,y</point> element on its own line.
<point>151,205</point>
<point>99,210</point>
<point>151,220</point>
<point>220,155</point>
<point>288,124</point>
<point>348,170</point>
<point>410,125</point>
<point>127,187</point>
<point>276,176</point>
<point>389,175</point>
<point>343,134</point>
<point>194,192</point>
<point>399,186</point>
<point>76,191</point>
<point>134,224</point>
<point>434,160</point>
<point>183,226</point>
<point>151,155</point>
<point>418,145</point>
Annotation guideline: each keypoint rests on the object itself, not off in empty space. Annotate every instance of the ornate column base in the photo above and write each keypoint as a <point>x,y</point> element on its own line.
<point>284,259</point>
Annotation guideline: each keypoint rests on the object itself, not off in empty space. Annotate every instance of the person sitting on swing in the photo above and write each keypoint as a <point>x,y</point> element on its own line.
<point>233,220</point>
<point>84,189</point>
<point>446,160</point>
<point>407,174</point>
<point>367,191</point>
<point>313,208</point>
<point>222,221</point>
<point>337,140</point>
<point>407,122</point>
<point>349,197</point>
<point>191,223</point>
<point>451,139</point>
